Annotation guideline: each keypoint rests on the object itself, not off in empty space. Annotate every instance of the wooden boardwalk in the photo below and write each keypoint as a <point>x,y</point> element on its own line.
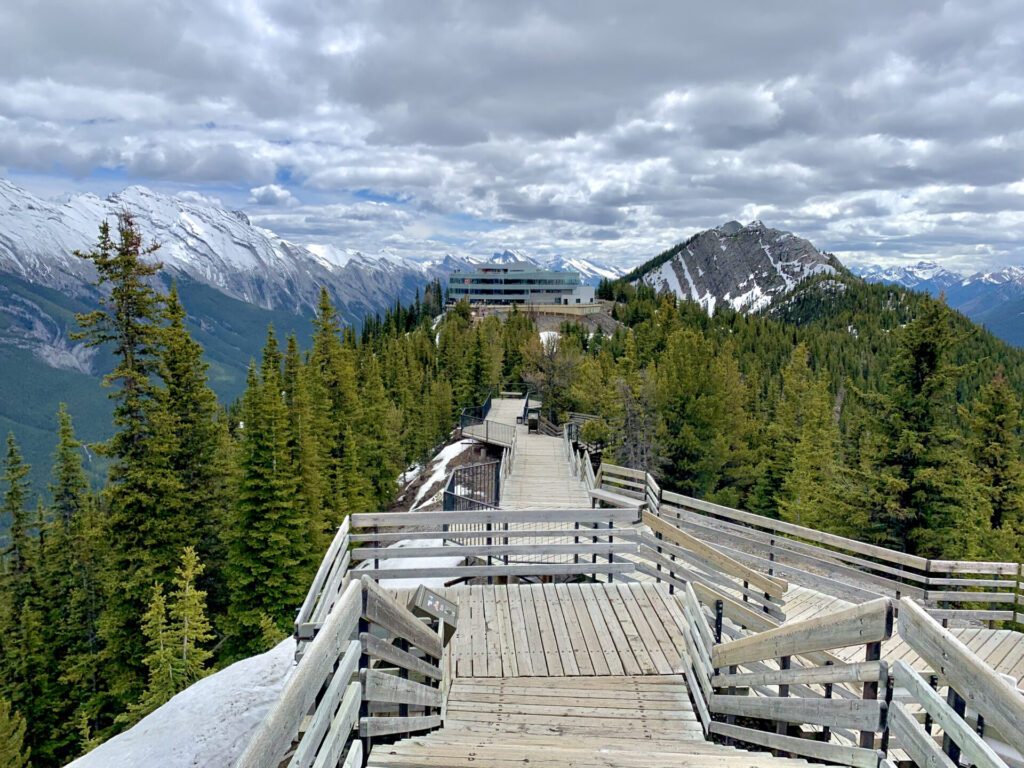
<point>566,630</point>
<point>563,722</point>
<point>540,477</point>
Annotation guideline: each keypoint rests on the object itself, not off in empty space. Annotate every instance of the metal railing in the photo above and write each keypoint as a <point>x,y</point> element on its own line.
<point>475,486</point>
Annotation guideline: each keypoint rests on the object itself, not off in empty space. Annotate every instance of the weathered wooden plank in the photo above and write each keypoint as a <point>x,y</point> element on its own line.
<point>547,631</point>
<point>507,644</point>
<point>338,688</point>
<point>483,516</point>
<point>354,758</point>
<point>333,747</point>
<point>273,737</point>
<point>535,644</point>
<point>495,550</point>
<point>971,744</point>
<point>972,566</point>
<point>524,660</point>
<point>833,753</point>
<point>331,591</point>
<point>773,587</point>
<point>735,610</point>
<point>798,531</point>
<point>855,714</point>
<point>391,689</point>
<point>382,609</point>
<point>624,534</point>
<point>913,739</point>
<point>975,597</point>
<point>865,671</point>
<point>980,685</point>
<point>616,469</point>
<point>572,600</point>
<point>369,727</point>
<point>970,615</point>
<point>697,568</point>
<point>629,629</point>
<point>338,544</point>
<point>385,651</point>
<point>519,569</point>
<point>866,623</point>
<point>602,631</point>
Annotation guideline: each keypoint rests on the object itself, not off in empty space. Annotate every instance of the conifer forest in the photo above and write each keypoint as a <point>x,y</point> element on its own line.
<point>866,410</point>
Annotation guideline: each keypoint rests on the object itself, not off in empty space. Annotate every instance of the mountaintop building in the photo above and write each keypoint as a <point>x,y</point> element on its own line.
<point>519,282</point>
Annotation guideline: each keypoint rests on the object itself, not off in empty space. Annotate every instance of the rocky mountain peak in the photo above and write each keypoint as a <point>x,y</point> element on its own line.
<point>743,267</point>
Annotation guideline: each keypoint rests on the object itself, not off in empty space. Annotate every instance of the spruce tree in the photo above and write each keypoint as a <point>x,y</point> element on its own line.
<point>995,449</point>
<point>926,497</point>
<point>145,527</point>
<point>13,752</point>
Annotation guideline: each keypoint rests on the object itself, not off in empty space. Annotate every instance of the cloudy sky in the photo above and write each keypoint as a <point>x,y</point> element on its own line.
<point>879,130</point>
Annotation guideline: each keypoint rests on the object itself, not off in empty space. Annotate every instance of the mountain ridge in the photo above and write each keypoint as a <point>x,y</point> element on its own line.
<point>743,267</point>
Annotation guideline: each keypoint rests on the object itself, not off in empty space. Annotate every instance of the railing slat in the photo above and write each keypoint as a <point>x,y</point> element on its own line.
<point>980,685</point>
<point>382,609</point>
<point>861,624</point>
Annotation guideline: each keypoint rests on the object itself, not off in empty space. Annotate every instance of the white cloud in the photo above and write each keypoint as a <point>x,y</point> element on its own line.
<point>272,194</point>
<point>575,127</point>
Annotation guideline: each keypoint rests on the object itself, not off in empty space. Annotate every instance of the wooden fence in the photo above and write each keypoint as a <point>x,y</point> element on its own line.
<point>374,670</point>
<point>949,589</point>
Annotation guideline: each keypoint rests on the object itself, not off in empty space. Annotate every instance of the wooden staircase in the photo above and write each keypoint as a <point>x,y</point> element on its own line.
<point>634,722</point>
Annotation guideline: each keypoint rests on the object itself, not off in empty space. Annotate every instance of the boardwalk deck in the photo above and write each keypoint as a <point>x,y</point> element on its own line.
<point>634,722</point>
<point>566,630</point>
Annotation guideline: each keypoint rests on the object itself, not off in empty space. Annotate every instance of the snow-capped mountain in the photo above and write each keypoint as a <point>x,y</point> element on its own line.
<point>993,299</point>
<point>743,267</point>
<point>591,271</point>
<point>923,276</point>
<point>202,243</point>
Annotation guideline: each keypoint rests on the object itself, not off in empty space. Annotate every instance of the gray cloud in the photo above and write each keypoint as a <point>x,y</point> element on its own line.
<point>887,130</point>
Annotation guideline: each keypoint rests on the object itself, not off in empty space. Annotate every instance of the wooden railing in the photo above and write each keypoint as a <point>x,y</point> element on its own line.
<point>960,590</point>
<point>964,590</point>
<point>972,688</point>
<point>802,716</point>
<point>372,661</point>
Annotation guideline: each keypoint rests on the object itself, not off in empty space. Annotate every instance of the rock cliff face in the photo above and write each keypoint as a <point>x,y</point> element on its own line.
<point>743,267</point>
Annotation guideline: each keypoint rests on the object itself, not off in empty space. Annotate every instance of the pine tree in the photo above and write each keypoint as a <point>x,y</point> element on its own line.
<point>995,449</point>
<point>16,556</point>
<point>268,551</point>
<point>146,529</point>
<point>927,497</point>
<point>13,752</point>
<point>175,631</point>
<point>197,458</point>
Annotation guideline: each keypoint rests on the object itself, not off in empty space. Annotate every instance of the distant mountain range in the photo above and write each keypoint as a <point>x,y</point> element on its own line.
<point>234,278</point>
<point>743,267</point>
<point>992,299</point>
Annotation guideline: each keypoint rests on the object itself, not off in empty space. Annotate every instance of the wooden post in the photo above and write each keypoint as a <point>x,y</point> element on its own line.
<point>873,652</point>
<point>781,726</point>
<point>959,706</point>
<point>826,732</point>
<point>364,663</point>
<point>933,681</point>
<point>719,613</point>
<point>889,684</point>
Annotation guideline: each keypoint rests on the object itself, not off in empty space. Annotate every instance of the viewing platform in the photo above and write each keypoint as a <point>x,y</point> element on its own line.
<point>664,631</point>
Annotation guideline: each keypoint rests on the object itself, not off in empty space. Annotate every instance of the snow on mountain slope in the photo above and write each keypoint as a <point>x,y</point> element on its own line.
<point>207,244</point>
<point>924,275</point>
<point>205,726</point>
<point>744,267</point>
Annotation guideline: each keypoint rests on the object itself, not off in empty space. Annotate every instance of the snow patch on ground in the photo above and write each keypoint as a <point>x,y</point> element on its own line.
<point>440,468</point>
<point>414,562</point>
<point>549,337</point>
<point>205,726</point>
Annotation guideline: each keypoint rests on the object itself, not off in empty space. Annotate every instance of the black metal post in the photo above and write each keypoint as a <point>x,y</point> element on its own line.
<point>959,706</point>
<point>873,652</point>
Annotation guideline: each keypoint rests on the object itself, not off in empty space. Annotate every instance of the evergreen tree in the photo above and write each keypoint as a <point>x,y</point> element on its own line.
<point>995,449</point>
<point>13,752</point>
<point>146,527</point>
<point>924,495</point>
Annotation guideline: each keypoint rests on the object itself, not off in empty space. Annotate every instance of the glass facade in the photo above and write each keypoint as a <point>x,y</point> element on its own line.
<point>515,283</point>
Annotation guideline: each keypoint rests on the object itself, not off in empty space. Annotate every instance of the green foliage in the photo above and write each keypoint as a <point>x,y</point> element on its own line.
<point>13,752</point>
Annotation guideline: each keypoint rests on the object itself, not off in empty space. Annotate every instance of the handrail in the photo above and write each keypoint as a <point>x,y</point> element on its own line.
<point>378,703</point>
<point>968,676</point>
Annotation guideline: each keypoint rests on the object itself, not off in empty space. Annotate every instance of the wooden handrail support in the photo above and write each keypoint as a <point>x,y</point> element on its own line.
<point>984,690</point>
<point>321,688</point>
<point>867,623</point>
<point>773,587</point>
